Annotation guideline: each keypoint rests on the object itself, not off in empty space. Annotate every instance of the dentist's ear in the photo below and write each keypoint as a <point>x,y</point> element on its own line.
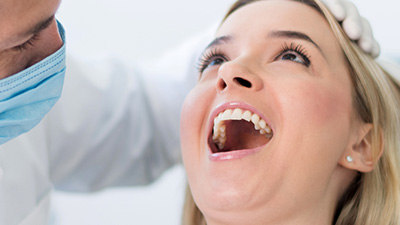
<point>359,155</point>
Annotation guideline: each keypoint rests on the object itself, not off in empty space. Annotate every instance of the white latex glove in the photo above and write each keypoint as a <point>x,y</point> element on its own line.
<point>356,27</point>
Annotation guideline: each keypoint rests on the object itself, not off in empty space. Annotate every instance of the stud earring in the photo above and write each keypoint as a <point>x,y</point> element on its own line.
<point>349,159</point>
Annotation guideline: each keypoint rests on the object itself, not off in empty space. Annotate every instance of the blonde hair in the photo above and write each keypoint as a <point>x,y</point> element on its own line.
<point>373,198</point>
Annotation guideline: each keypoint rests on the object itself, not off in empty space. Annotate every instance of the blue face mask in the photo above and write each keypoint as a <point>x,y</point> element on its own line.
<point>26,97</point>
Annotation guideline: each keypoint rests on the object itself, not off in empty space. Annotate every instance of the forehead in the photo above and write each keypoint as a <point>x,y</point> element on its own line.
<point>260,17</point>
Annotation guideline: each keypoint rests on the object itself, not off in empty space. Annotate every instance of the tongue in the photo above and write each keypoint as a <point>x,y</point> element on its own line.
<point>241,135</point>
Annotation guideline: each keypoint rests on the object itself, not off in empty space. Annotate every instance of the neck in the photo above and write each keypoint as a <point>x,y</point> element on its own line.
<point>321,214</point>
<point>319,209</point>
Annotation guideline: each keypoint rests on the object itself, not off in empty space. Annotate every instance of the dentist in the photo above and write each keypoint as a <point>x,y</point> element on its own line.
<point>32,48</point>
<point>113,126</point>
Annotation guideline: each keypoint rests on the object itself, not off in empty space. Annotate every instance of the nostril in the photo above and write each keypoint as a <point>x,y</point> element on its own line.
<point>242,82</point>
<point>221,84</point>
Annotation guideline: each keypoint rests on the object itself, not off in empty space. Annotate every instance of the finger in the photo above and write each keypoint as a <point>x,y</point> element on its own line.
<point>366,28</point>
<point>352,25</point>
<point>337,8</point>
<point>366,41</point>
<point>366,44</point>
<point>368,33</point>
<point>376,49</point>
<point>370,46</point>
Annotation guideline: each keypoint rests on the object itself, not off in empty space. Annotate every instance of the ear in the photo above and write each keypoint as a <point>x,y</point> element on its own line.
<point>359,155</point>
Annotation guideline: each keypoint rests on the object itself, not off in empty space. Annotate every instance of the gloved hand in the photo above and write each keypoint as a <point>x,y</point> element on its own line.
<point>356,27</point>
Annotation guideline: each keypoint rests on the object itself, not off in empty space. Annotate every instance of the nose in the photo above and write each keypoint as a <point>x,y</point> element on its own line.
<point>234,75</point>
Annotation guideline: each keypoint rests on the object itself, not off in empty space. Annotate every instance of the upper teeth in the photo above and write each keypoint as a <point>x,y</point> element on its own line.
<point>219,135</point>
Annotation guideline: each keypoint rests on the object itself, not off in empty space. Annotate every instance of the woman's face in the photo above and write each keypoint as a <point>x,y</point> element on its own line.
<point>279,61</point>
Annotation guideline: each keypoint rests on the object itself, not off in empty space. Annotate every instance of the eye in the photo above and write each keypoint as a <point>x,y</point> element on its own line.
<point>27,44</point>
<point>294,53</point>
<point>217,61</point>
<point>292,56</point>
<point>210,59</point>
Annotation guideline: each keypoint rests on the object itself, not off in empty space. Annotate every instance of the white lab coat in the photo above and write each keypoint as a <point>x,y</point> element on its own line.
<point>115,125</point>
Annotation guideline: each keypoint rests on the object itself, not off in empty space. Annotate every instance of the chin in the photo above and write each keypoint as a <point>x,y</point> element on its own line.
<point>229,198</point>
<point>230,207</point>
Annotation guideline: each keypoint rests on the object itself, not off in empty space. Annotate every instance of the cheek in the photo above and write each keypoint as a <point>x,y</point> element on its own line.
<point>194,116</point>
<point>315,132</point>
<point>12,62</point>
<point>316,121</point>
<point>193,134</point>
<point>317,104</point>
<point>190,116</point>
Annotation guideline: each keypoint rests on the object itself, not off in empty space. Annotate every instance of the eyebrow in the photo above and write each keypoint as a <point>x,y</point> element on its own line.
<point>294,35</point>
<point>219,41</point>
<point>39,26</point>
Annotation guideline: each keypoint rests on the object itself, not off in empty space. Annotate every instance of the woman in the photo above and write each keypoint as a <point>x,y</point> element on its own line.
<point>290,123</point>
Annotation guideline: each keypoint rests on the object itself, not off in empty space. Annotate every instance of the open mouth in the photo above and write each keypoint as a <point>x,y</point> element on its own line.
<point>238,129</point>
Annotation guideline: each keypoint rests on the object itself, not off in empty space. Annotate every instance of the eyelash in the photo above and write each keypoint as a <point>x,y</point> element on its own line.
<point>299,49</point>
<point>210,56</point>
<point>26,44</point>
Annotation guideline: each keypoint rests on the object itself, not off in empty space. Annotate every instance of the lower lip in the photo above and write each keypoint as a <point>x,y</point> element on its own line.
<point>237,154</point>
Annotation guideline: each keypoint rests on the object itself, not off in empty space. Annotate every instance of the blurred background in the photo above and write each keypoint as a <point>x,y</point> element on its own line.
<point>140,32</point>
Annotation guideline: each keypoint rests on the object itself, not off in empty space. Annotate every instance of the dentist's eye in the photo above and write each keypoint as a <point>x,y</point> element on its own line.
<point>210,59</point>
<point>27,44</point>
<point>294,53</point>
